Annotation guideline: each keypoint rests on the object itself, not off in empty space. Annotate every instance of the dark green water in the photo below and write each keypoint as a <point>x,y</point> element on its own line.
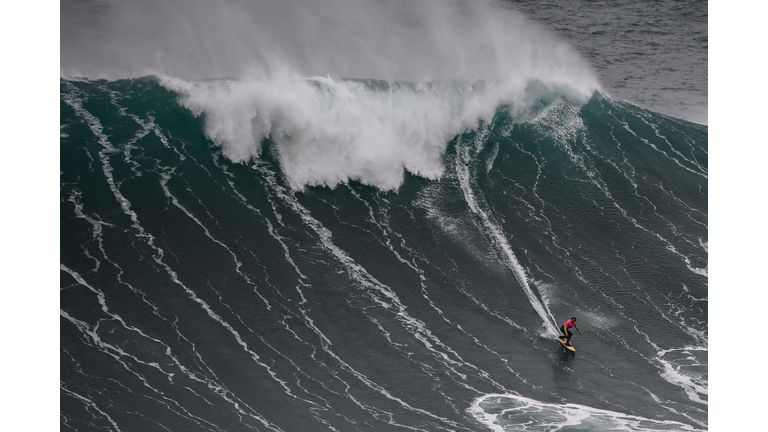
<point>416,287</point>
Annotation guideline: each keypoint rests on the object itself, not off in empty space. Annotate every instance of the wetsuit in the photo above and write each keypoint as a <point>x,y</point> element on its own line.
<point>564,330</point>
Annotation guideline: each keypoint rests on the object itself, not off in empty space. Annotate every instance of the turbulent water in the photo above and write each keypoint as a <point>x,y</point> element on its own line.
<point>290,250</point>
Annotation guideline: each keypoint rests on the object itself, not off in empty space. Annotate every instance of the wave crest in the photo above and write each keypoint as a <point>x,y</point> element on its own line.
<point>327,132</point>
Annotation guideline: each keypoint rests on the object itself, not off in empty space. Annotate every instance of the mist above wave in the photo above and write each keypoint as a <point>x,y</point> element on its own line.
<point>396,40</point>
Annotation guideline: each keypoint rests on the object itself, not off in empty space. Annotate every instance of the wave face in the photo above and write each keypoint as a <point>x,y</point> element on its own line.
<point>325,254</point>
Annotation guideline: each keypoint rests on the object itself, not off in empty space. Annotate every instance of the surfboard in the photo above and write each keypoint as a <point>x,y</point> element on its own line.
<point>570,347</point>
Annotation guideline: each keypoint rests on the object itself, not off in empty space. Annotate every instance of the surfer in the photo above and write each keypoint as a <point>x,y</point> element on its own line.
<point>564,330</point>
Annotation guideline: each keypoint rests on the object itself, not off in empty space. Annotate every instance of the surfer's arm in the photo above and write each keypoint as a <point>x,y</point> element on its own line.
<point>577,329</point>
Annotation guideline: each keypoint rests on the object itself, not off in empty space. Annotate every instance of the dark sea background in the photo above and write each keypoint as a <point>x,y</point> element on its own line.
<point>372,216</point>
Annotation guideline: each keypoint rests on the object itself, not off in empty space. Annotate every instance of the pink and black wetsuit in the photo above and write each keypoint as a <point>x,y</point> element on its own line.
<point>564,329</point>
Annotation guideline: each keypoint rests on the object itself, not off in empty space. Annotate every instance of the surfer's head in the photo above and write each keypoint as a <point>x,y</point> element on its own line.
<point>573,319</point>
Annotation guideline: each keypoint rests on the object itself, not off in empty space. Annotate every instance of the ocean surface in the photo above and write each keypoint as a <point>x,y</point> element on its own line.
<point>373,216</point>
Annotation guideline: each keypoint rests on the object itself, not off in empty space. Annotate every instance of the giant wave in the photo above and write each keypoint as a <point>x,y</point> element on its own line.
<point>208,289</point>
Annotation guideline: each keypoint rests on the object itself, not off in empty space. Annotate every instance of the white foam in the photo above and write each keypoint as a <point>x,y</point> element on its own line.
<point>687,368</point>
<point>510,412</point>
<point>327,131</point>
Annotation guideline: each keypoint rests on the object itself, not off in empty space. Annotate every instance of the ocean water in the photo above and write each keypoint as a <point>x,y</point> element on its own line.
<point>372,216</point>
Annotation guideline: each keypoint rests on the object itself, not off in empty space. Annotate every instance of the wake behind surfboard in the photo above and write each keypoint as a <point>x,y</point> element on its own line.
<point>567,345</point>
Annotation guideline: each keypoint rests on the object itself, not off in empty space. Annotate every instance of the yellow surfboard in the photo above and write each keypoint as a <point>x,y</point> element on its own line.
<point>568,346</point>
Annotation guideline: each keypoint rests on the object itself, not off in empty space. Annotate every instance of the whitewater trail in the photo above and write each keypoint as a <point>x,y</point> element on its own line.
<point>467,154</point>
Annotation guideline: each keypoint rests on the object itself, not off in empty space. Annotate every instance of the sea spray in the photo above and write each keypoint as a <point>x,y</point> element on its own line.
<point>396,40</point>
